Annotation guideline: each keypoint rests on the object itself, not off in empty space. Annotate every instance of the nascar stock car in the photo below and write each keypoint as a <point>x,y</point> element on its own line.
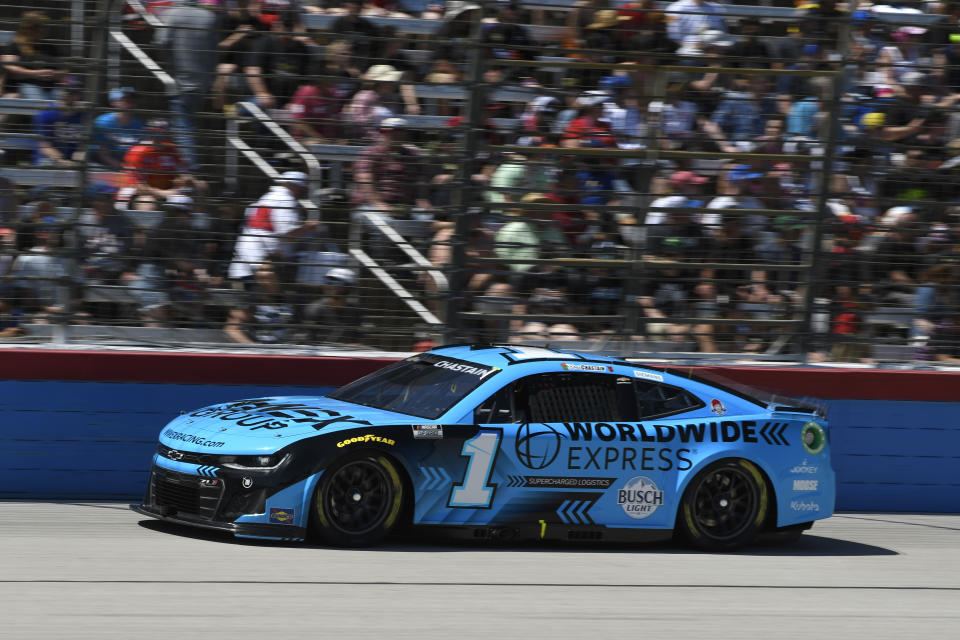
<point>501,443</point>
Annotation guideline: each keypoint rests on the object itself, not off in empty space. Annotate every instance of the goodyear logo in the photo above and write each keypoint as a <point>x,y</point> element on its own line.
<point>281,516</point>
<point>367,438</point>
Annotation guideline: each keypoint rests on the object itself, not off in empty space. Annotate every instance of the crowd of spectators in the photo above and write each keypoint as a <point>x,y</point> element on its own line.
<point>674,243</point>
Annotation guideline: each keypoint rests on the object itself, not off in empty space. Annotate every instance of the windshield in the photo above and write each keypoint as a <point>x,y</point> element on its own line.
<point>425,386</point>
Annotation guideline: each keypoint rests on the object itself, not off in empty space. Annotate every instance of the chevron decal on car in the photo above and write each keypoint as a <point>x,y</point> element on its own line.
<point>772,433</point>
<point>434,478</point>
<point>516,481</point>
<point>207,470</point>
<point>575,511</point>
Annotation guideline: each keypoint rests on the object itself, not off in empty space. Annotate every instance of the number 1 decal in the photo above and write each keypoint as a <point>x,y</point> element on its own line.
<point>476,490</point>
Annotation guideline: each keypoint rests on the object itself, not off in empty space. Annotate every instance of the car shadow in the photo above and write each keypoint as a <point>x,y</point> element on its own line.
<point>419,541</point>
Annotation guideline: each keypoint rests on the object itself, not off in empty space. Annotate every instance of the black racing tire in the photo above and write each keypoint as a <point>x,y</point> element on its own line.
<point>724,506</point>
<point>359,500</point>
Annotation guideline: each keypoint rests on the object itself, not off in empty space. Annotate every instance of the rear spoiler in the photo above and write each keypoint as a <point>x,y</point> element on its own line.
<point>772,400</point>
<point>795,405</point>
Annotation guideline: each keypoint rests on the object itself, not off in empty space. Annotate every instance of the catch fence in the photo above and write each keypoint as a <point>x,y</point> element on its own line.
<point>652,179</point>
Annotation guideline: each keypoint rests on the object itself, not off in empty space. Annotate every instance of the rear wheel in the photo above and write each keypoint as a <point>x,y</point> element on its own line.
<point>724,506</point>
<point>358,501</point>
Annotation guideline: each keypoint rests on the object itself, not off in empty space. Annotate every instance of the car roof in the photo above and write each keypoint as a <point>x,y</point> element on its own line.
<point>502,355</point>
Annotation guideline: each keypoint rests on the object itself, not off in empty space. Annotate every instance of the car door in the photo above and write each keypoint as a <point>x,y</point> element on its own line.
<point>574,450</point>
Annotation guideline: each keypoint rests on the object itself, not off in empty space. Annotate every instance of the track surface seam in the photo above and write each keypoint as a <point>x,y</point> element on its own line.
<point>488,584</point>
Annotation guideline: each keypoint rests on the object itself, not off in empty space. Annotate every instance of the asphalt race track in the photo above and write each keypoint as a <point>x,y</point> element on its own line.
<point>101,571</point>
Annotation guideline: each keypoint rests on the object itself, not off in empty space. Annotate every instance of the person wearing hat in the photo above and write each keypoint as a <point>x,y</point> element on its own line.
<point>376,101</point>
<point>680,223</point>
<point>40,209</point>
<point>155,165</point>
<point>530,234</point>
<point>39,275</point>
<point>104,237</point>
<point>168,276</point>
<point>738,186</point>
<point>589,129</point>
<point>537,120</point>
<point>60,128</point>
<point>331,318</point>
<point>388,176</point>
<point>898,59</point>
<point>116,131</point>
<point>910,117</point>
<point>686,191</point>
<point>272,225</point>
<point>32,62</point>
<point>605,32</point>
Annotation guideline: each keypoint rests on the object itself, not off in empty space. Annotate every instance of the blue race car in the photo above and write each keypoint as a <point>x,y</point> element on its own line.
<point>502,443</point>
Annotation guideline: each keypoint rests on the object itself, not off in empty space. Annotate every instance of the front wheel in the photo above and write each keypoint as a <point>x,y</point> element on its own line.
<point>358,501</point>
<point>724,506</point>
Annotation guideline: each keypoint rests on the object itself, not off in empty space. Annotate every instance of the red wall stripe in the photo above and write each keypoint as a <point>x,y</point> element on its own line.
<point>182,368</point>
<point>228,368</point>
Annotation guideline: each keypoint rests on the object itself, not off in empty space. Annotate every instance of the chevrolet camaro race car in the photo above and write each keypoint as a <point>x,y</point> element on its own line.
<point>500,443</point>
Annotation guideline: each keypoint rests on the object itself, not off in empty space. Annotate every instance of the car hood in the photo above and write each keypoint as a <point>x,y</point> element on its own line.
<point>263,425</point>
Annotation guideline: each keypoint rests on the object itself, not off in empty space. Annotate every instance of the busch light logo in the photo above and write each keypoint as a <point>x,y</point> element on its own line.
<point>640,497</point>
<point>537,445</point>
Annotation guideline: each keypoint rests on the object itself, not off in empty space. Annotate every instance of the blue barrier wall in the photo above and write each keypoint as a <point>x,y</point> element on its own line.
<point>895,435</point>
<point>94,440</point>
<point>896,455</point>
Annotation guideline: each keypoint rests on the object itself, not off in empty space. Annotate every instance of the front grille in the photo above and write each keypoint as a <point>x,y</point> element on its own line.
<point>184,494</point>
<point>188,456</point>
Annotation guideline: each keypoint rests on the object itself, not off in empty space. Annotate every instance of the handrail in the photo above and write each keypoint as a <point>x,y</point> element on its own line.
<point>383,226</point>
<point>236,142</point>
<point>170,85</point>
<point>150,18</point>
<point>314,168</point>
<point>395,287</point>
<point>22,106</point>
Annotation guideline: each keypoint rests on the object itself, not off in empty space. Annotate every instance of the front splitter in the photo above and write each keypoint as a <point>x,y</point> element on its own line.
<point>241,529</point>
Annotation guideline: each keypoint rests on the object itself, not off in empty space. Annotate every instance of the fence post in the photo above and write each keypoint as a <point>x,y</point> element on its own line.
<point>826,171</point>
<point>463,196</point>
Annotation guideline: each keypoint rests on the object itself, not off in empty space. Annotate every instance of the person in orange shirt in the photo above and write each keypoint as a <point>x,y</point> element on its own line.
<point>154,166</point>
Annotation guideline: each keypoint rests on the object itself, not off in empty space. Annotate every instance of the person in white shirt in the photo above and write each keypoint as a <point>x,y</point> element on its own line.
<point>272,224</point>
